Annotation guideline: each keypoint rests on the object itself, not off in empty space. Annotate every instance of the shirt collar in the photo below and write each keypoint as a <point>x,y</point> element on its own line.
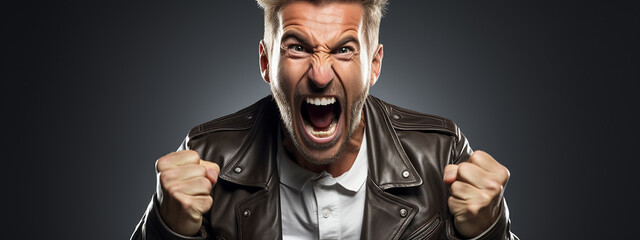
<point>295,176</point>
<point>353,179</point>
<point>290,173</point>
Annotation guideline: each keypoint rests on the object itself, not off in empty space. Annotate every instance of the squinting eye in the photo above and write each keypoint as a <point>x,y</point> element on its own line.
<point>344,50</point>
<point>298,48</point>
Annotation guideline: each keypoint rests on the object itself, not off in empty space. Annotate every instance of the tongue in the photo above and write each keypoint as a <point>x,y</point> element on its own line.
<point>320,116</point>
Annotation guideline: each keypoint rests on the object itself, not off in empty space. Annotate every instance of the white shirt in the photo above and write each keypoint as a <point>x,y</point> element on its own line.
<point>319,206</point>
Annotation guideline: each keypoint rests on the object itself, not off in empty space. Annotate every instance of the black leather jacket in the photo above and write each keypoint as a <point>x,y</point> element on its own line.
<point>398,205</point>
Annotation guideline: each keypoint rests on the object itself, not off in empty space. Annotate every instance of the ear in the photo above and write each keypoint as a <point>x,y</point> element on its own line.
<point>376,65</point>
<point>264,62</point>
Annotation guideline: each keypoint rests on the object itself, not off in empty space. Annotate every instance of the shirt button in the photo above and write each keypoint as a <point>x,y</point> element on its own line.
<point>405,174</point>
<point>396,116</point>
<point>237,169</point>
<point>326,213</point>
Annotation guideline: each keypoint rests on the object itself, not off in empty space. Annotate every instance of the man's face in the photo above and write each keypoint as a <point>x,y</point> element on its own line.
<point>319,74</point>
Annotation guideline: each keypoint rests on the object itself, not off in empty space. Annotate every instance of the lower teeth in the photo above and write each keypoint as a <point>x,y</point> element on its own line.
<point>322,134</point>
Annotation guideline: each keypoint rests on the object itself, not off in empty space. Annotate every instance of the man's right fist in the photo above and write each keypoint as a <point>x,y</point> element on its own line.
<point>184,190</point>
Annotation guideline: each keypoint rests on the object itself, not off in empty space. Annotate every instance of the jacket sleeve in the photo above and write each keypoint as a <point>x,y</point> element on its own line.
<point>151,225</point>
<point>501,228</point>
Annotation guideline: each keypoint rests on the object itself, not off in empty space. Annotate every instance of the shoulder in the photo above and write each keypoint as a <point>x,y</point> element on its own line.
<point>403,119</point>
<point>238,121</point>
<point>424,136</point>
<point>224,136</point>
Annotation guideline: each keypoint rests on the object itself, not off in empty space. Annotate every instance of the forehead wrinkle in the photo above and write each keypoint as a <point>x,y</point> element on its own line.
<point>319,28</point>
<point>325,13</point>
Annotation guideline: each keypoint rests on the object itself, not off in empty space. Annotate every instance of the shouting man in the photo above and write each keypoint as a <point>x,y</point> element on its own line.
<point>321,158</point>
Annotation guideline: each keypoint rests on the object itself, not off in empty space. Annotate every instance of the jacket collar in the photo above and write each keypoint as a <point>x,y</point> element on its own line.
<point>255,163</point>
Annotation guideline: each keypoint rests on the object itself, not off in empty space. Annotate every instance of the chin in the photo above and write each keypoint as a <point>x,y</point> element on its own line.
<point>319,155</point>
<point>320,125</point>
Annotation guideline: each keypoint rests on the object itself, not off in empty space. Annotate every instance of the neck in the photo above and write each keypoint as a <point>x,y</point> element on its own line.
<point>344,161</point>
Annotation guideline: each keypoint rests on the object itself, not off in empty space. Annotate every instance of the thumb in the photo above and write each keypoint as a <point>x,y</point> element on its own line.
<point>212,170</point>
<point>450,173</point>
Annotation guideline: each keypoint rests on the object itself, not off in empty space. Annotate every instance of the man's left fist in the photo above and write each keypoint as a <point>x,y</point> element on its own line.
<point>476,190</point>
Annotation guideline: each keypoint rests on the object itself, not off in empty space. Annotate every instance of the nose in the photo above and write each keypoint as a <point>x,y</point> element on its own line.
<point>321,71</point>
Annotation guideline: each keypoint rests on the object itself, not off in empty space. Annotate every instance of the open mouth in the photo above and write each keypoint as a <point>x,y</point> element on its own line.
<point>321,118</point>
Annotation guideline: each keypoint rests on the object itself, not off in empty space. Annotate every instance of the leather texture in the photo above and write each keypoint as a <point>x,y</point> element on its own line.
<point>398,205</point>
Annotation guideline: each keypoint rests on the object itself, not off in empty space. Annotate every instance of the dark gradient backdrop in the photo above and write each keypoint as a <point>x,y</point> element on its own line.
<point>94,91</point>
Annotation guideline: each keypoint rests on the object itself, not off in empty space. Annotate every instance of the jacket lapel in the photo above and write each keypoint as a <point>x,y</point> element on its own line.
<point>385,216</point>
<point>389,167</point>
<point>254,166</point>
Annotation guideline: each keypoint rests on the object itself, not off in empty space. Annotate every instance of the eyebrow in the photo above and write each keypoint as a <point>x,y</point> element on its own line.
<point>296,36</point>
<point>347,40</point>
<point>299,37</point>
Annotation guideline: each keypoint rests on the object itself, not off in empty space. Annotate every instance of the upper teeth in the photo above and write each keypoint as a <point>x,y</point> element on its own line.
<point>323,101</point>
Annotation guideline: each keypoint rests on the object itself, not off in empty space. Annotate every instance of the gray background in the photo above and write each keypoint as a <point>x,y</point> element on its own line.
<point>94,92</point>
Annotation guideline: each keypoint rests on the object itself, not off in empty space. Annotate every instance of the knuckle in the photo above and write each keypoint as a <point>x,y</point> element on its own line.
<point>214,181</point>
<point>474,157</point>
<point>202,170</point>
<point>164,177</point>
<point>205,183</point>
<point>190,154</point>
<point>160,164</point>
<point>464,167</point>
<point>451,201</point>
<point>456,186</point>
<point>481,154</point>
<point>172,189</point>
<point>165,162</point>
<point>216,167</point>
<point>168,176</point>
<point>187,203</point>
<point>506,174</point>
<point>449,167</point>
<point>472,209</point>
<point>208,201</point>
<point>485,198</point>
<point>493,186</point>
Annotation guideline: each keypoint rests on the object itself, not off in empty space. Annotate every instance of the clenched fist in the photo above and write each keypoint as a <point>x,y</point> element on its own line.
<point>476,189</point>
<point>183,190</point>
